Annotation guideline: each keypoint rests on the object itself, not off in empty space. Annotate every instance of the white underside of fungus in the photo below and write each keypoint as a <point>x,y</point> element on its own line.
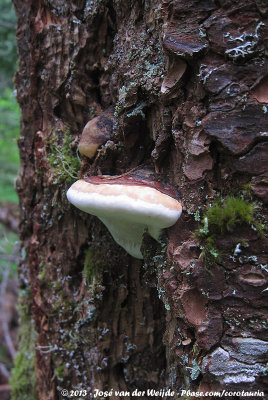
<point>126,210</point>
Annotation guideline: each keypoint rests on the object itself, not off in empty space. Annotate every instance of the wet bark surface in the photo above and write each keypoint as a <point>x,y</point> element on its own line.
<point>187,83</point>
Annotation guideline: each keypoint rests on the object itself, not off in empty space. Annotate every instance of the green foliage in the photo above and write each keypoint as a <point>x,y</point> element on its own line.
<point>10,115</point>
<point>23,379</point>
<point>9,130</point>
<point>4,356</point>
<point>222,217</point>
<point>8,240</point>
<point>9,154</point>
<point>9,110</point>
<point>8,52</point>
<point>64,163</point>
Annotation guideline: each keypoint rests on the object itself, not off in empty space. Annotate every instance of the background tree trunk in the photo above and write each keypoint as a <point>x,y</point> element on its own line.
<point>187,82</point>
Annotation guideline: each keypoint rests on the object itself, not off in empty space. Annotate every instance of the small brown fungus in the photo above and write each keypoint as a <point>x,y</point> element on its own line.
<point>96,132</point>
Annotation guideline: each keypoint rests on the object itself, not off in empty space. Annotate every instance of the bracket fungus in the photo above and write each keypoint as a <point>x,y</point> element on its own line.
<point>128,207</point>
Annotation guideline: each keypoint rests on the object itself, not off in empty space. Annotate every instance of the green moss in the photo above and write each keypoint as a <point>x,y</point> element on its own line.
<point>42,271</point>
<point>223,217</point>
<point>59,372</point>
<point>62,160</point>
<point>92,266</point>
<point>23,379</point>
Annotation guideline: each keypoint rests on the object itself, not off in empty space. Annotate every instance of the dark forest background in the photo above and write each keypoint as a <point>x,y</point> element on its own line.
<point>9,164</point>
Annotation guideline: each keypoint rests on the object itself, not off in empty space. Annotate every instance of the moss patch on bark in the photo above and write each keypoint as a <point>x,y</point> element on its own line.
<point>23,379</point>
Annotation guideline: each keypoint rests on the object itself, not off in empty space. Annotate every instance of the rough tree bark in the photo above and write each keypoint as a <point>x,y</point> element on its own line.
<point>187,82</point>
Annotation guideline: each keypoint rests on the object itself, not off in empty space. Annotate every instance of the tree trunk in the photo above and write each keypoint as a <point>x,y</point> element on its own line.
<point>183,87</point>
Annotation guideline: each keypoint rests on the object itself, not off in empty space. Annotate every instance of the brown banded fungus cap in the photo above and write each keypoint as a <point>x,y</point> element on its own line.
<point>96,132</point>
<point>127,207</point>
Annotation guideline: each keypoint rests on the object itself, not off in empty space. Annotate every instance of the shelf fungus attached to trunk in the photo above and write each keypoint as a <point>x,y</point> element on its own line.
<point>127,206</point>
